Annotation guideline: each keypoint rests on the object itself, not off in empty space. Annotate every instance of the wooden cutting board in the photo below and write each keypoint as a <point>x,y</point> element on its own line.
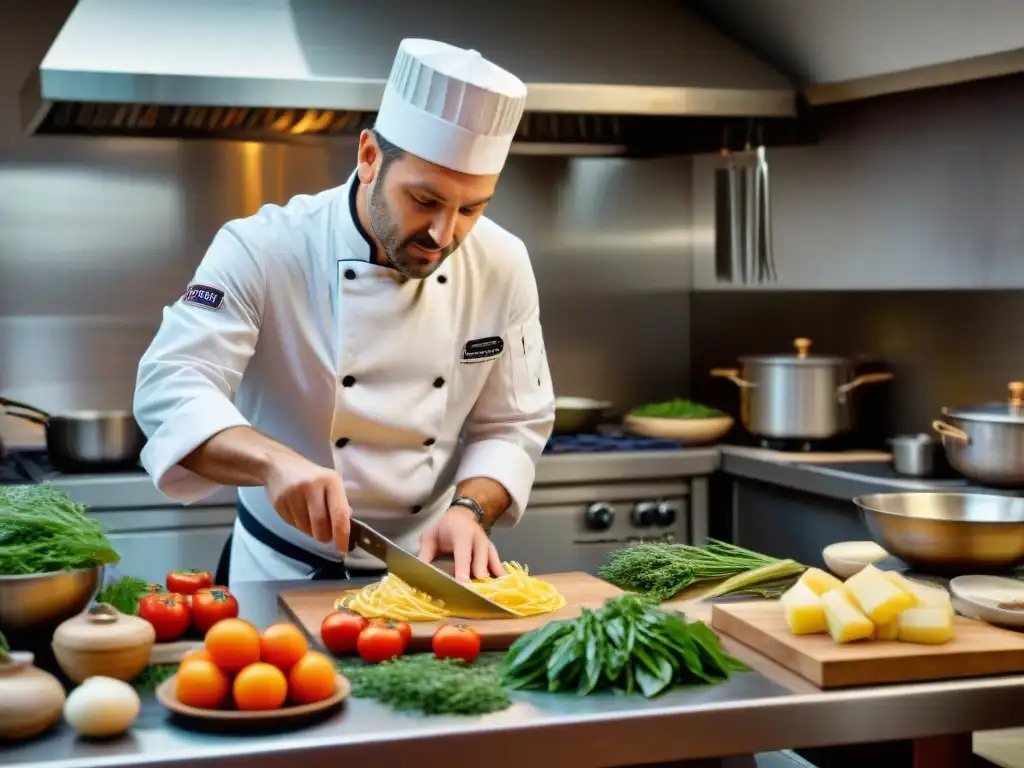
<point>977,649</point>
<point>173,652</point>
<point>581,590</point>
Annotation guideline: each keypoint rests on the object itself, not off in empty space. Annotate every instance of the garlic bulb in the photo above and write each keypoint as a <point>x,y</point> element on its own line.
<point>102,706</point>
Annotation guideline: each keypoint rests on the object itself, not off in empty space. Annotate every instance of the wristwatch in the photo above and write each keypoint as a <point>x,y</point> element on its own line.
<point>476,509</point>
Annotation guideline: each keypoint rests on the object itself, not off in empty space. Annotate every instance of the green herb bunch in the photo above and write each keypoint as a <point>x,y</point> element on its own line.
<point>628,644</point>
<point>661,570</point>
<point>42,530</point>
<point>422,683</point>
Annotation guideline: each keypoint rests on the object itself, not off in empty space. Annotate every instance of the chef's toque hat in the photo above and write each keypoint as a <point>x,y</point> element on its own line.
<point>451,107</point>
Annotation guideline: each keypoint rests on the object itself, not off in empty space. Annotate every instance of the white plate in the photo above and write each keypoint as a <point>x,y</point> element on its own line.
<point>978,597</point>
<point>837,557</point>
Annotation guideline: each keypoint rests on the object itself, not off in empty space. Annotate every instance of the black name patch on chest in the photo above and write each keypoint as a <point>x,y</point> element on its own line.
<point>479,350</point>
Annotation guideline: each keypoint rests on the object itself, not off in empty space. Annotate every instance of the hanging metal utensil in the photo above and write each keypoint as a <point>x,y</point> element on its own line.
<point>725,193</point>
<point>765,254</point>
<point>743,229</point>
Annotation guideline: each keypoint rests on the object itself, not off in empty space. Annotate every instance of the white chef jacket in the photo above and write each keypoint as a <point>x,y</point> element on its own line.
<point>405,387</point>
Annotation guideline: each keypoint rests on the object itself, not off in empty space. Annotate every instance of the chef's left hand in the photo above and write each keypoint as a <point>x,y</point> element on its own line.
<point>458,533</point>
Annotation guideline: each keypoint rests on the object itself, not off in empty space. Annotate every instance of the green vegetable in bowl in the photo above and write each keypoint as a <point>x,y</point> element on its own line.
<point>679,408</point>
<point>42,530</point>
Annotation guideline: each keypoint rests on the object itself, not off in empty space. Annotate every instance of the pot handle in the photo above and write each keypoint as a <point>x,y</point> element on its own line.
<point>952,433</point>
<point>868,378</point>
<point>732,375</point>
<point>5,403</point>
<point>26,416</point>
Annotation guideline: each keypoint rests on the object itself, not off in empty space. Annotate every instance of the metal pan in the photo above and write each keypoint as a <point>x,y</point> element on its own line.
<point>84,440</point>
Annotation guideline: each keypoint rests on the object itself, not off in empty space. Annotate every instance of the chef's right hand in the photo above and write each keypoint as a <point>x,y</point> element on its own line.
<point>310,497</point>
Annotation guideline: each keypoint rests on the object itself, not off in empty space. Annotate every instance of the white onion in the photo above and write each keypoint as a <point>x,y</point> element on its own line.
<point>102,706</point>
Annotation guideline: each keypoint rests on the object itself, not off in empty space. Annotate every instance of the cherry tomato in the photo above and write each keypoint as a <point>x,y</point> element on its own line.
<point>169,616</point>
<point>403,629</point>
<point>456,641</point>
<point>340,631</point>
<point>380,641</point>
<point>210,605</point>
<point>188,582</point>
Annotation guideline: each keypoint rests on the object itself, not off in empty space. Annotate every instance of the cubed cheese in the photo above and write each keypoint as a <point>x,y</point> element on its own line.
<point>933,626</point>
<point>887,631</point>
<point>804,612</point>
<point>876,596</point>
<point>819,581</point>
<point>845,622</point>
<point>925,595</point>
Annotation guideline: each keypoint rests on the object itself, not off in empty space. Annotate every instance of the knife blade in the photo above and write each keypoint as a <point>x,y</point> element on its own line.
<point>459,599</point>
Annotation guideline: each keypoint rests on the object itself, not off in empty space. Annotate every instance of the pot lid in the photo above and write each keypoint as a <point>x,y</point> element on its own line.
<point>1010,412</point>
<point>103,628</point>
<point>802,356</point>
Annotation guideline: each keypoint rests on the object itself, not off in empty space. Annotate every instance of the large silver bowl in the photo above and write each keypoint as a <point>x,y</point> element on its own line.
<point>947,532</point>
<point>46,599</point>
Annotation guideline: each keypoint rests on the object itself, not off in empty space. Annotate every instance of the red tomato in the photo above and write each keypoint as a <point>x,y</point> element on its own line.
<point>210,605</point>
<point>188,582</point>
<point>456,641</point>
<point>340,631</point>
<point>168,615</point>
<point>380,641</point>
<point>403,629</point>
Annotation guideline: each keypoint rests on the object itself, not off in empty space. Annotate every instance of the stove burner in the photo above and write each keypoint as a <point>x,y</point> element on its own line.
<point>12,473</point>
<point>29,466</point>
<point>607,443</point>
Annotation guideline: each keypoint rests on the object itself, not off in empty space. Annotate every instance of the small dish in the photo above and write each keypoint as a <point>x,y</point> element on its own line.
<point>845,558</point>
<point>166,694</point>
<point>689,431</point>
<point>979,597</point>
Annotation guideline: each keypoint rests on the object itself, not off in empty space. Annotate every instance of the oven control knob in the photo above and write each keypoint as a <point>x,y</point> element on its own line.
<point>599,517</point>
<point>667,514</point>
<point>645,514</point>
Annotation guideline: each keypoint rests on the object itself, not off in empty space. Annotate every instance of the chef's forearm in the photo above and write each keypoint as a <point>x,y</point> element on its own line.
<point>489,494</point>
<point>239,456</point>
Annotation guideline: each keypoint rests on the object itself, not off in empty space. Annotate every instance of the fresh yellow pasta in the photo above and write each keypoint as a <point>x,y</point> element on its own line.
<point>392,598</point>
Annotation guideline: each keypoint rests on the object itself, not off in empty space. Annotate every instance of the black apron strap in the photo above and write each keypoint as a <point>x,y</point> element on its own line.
<point>322,568</point>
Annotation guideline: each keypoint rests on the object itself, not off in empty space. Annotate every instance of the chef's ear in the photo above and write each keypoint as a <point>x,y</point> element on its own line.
<point>368,158</point>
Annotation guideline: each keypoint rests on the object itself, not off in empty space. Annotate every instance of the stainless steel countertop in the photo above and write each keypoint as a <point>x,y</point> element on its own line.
<point>753,712</point>
<point>832,481</point>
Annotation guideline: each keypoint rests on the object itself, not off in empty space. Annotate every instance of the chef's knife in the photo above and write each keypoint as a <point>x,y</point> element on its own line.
<point>459,599</point>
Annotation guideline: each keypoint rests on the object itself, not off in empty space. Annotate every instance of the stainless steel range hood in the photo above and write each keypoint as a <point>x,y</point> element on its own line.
<point>646,76</point>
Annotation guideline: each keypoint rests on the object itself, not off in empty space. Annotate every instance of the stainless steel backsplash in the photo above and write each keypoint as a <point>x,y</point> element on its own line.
<point>97,235</point>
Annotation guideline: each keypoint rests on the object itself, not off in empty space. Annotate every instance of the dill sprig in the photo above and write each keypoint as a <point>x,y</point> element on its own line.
<point>430,686</point>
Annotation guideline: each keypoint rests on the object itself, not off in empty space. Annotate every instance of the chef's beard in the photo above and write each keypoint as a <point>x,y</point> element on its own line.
<point>396,247</point>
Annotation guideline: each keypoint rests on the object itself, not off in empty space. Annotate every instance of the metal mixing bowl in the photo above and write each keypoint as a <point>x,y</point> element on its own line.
<point>46,599</point>
<point>947,532</point>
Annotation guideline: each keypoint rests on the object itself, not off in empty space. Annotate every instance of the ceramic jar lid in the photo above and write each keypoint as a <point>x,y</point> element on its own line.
<point>103,628</point>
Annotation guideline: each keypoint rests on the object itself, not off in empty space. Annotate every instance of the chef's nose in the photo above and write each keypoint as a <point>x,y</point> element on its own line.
<point>443,230</point>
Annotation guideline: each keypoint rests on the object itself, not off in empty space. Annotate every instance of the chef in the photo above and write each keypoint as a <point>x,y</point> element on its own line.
<point>374,350</point>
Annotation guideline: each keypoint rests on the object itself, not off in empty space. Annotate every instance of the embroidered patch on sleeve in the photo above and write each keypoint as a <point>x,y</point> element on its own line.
<point>205,296</point>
